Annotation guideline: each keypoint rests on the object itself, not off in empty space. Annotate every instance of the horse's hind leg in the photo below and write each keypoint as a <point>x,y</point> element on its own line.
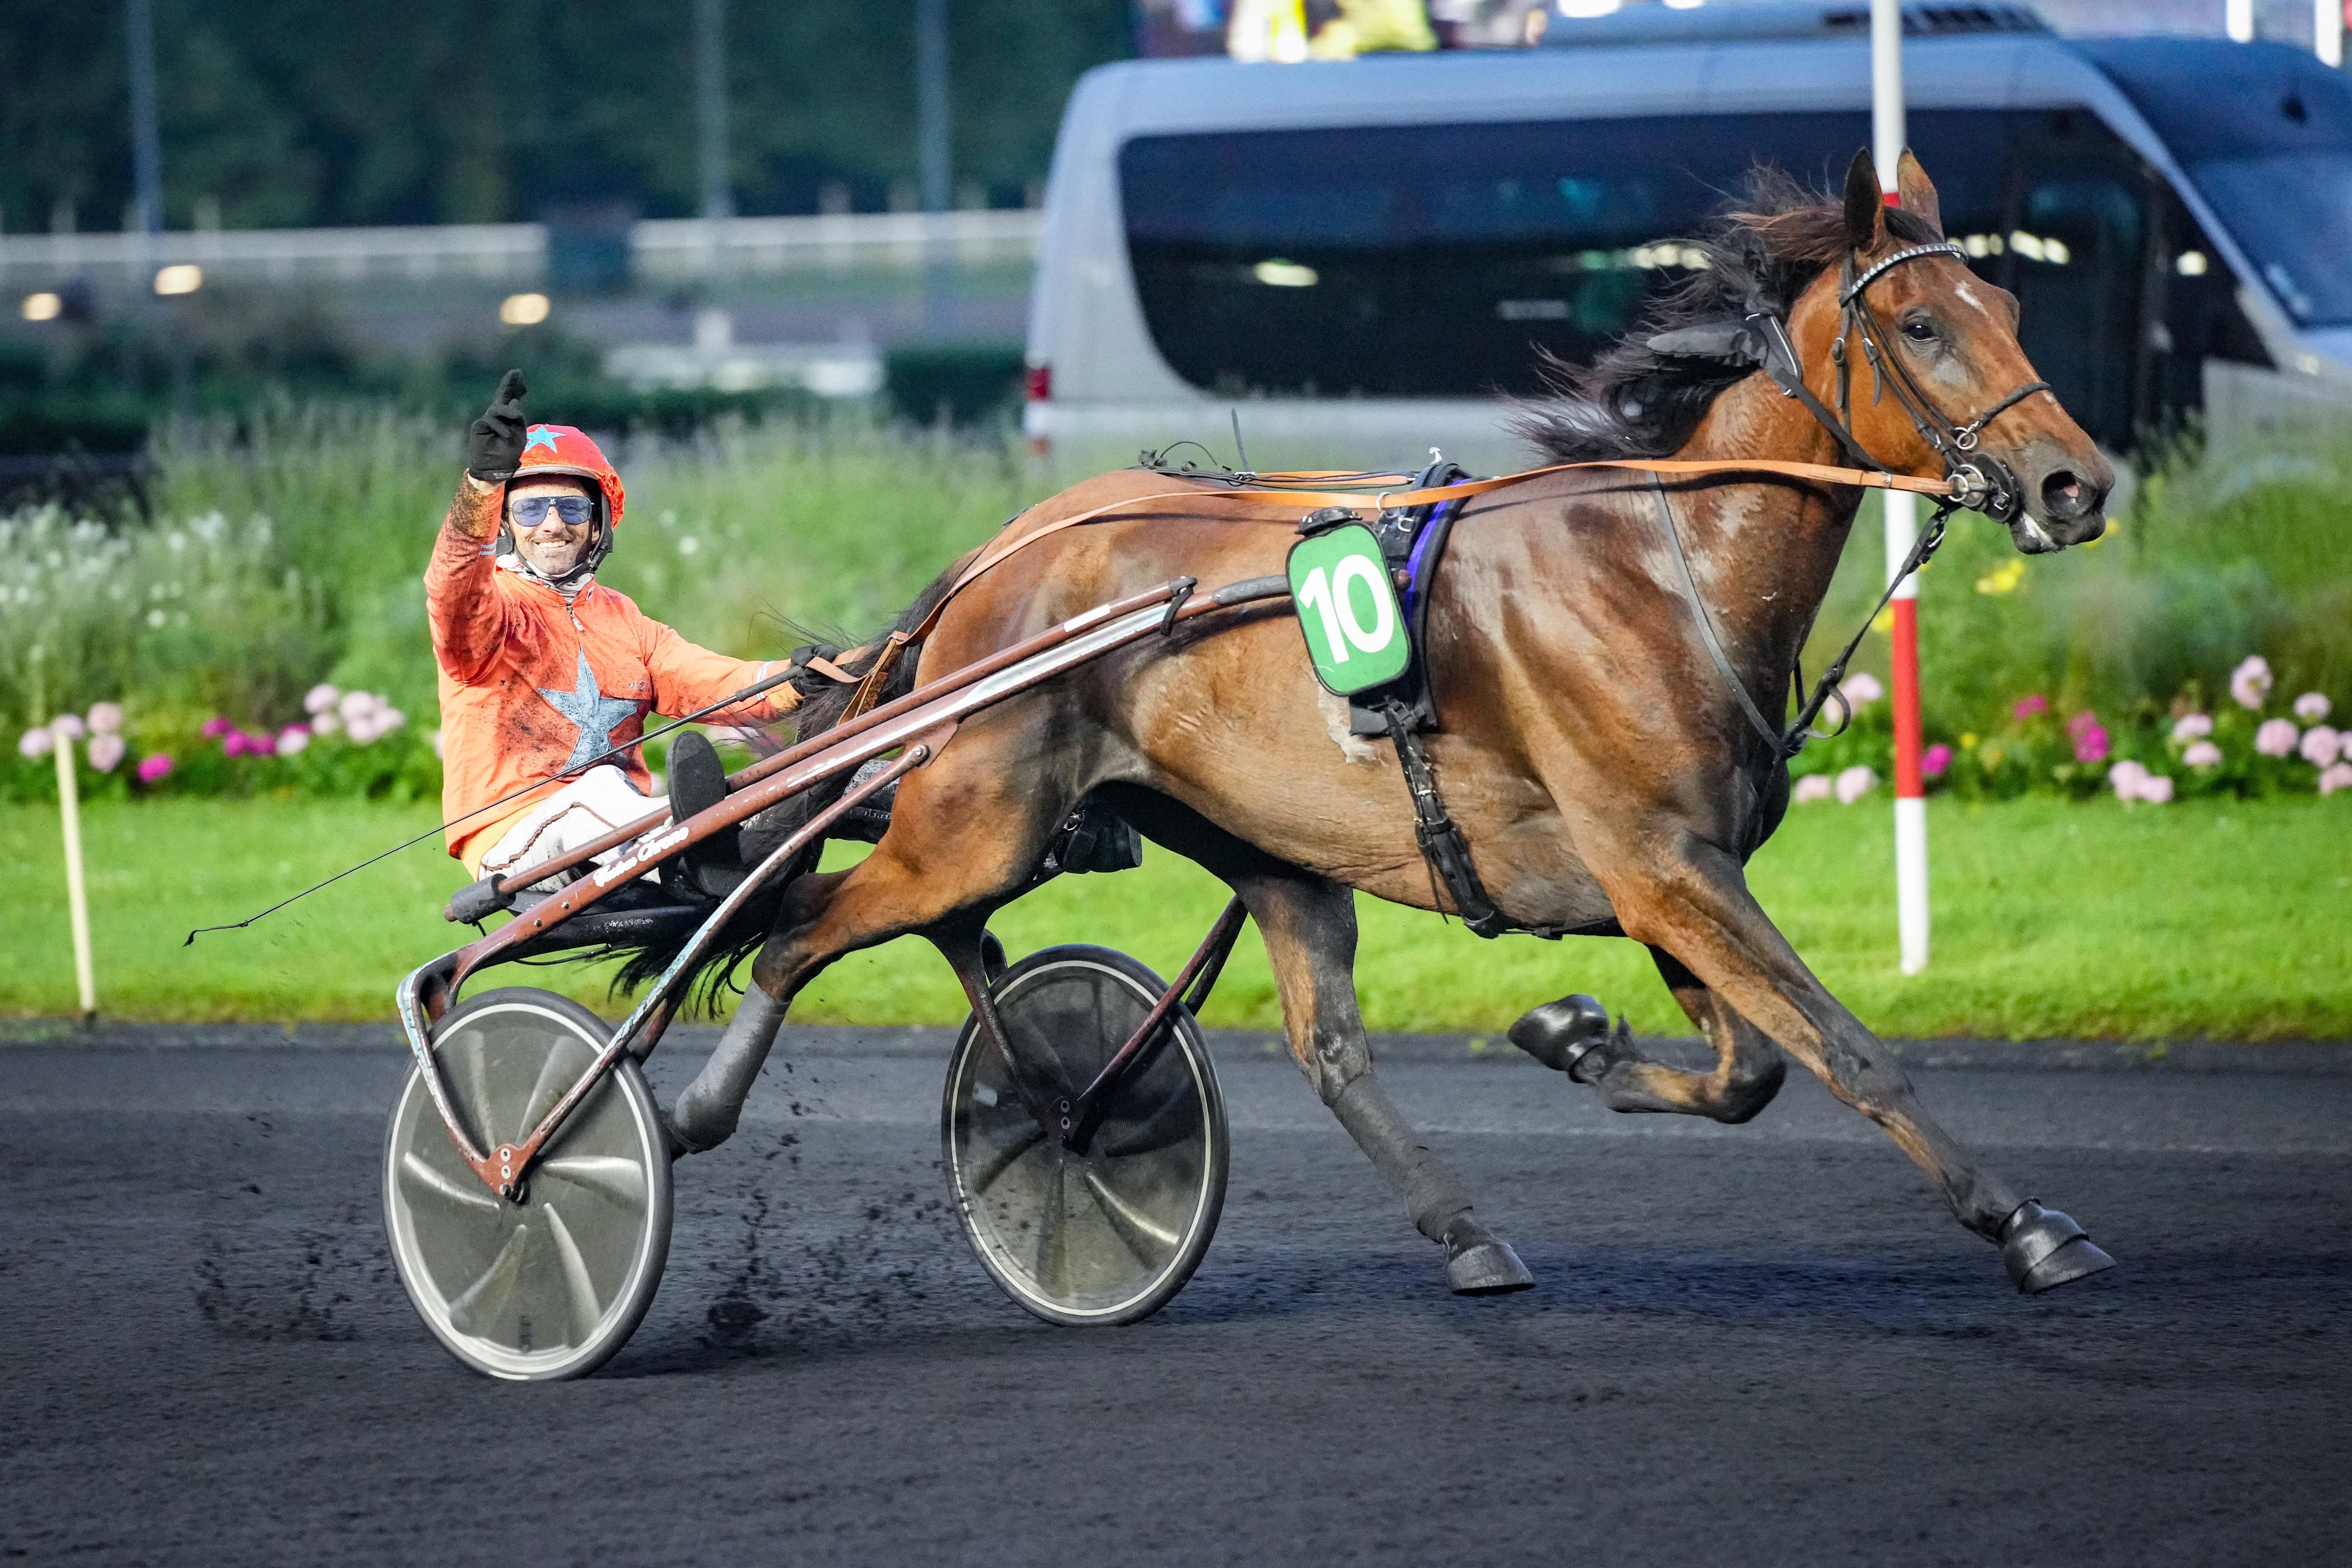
<point>1309,926</point>
<point>1572,1036</point>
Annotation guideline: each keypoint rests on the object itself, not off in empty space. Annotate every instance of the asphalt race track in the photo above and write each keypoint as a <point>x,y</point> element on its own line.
<point>1751,1345</point>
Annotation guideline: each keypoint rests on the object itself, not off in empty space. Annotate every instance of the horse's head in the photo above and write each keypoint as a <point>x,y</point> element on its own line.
<point>1934,380</point>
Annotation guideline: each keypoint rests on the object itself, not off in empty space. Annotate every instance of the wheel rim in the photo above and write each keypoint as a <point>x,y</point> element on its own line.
<point>1109,1235</point>
<point>551,1287</point>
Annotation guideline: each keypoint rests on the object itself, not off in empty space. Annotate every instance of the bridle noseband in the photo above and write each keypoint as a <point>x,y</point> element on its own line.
<point>1983,483</point>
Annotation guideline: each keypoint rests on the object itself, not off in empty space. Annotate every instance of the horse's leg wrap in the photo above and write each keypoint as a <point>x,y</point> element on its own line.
<point>706,1113</point>
<point>1477,1263</point>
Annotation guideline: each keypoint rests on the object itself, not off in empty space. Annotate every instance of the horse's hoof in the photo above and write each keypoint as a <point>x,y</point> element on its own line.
<point>1562,1034</point>
<point>1487,1267</point>
<point>2043,1249</point>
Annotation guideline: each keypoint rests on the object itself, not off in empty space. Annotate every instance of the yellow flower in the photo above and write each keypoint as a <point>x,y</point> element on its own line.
<point>2003,578</point>
<point>1968,742</point>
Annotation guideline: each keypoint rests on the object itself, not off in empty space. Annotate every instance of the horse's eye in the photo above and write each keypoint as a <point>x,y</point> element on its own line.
<point>1919,331</point>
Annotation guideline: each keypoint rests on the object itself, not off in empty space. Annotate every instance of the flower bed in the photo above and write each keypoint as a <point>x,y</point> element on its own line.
<point>2253,746</point>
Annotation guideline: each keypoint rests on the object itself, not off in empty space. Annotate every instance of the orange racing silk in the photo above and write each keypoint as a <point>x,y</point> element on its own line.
<point>530,688</point>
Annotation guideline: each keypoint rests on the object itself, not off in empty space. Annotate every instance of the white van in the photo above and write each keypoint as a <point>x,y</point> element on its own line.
<point>1362,256</point>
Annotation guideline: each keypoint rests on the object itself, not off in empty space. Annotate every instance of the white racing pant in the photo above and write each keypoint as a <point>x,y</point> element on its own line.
<point>580,813</point>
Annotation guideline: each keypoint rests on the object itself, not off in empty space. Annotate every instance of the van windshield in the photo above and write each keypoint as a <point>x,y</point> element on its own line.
<point>2303,247</point>
<point>1437,260</point>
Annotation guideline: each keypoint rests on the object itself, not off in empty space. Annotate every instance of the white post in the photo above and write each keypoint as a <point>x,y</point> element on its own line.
<point>2238,20</point>
<point>1887,138</point>
<point>2327,31</point>
<point>77,899</point>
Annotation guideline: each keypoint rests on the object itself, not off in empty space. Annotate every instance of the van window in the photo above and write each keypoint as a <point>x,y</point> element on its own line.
<point>1432,261</point>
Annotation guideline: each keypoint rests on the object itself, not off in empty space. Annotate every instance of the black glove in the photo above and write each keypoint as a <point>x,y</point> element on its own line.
<point>806,681</point>
<point>494,442</point>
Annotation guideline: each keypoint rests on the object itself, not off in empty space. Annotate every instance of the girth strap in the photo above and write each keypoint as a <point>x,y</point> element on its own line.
<point>1442,846</point>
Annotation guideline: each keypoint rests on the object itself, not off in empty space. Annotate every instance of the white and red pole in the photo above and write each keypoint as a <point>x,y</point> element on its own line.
<point>1887,140</point>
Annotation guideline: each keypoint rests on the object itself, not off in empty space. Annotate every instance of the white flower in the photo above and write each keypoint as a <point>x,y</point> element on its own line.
<point>357,705</point>
<point>388,718</point>
<point>2311,707</point>
<point>2249,683</point>
<point>435,739</point>
<point>106,749</point>
<point>34,743</point>
<point>291,740</point>
<point>2321,745</point>
<point>320,698</point>
<point>67,726</point>
<point>326,724</point>
<point>2276,738</point>
<point>2128,776</point>
<point>105,719</point>
<point>1812,786</point>
<point>2192,727</point>
<point>2157,790</point>
<point>1861,689</point>
<point>2202,754</point>
<point>361,729</point>
<point>2336,778</point>
<point>1855,782</point>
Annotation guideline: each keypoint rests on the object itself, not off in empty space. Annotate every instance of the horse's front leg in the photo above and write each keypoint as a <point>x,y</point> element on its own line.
<point>1572,1036</point>
<point>1309,926</point>
<point>1689,898</point>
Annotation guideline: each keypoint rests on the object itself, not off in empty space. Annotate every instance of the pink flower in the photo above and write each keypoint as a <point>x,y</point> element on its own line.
<point>2276,738</point>
<point>34,743</point>
<point>1812,786</point>
<point>2086,720</point>
<point>151,768</point>
<point>1935,761</point>
<point>2202,754</point>
<point>2321,745</point>
<point>2249,683</point>
<point>2031,707</point>
<point>2091,743</point>
<point>2128,776</point>
<point>291,740</point>
<point>320,698</point>
<point>233,743</point>
<point>106,749</point>
<point>2192,727</point>
<point>259,745</point>
<point>106,718</point>
<point>2157,790</point>
<point>216,725</point>
<point>1861,689</point>
<point>356,705</point>
<point>1854,782</point>
<point>2336,778</point>
<point>67,727</point>
<point>2311,707</point>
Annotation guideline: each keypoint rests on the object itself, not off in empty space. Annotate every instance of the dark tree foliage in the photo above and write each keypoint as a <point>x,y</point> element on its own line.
<point>291,112</point>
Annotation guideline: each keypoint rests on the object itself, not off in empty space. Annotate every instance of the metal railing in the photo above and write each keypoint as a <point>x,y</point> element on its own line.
<point>516,253</point>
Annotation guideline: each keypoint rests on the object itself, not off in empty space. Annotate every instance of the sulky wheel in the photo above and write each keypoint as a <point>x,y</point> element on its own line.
<point>550,1286</point>
<point>1108,1235</point>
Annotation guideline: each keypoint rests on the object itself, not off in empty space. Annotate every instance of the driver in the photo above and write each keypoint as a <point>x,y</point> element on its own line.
<point>544,669</point>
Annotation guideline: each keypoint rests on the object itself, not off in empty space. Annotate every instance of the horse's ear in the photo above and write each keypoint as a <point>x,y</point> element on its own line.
<point>1865,208</point>
<point>1918,192</point>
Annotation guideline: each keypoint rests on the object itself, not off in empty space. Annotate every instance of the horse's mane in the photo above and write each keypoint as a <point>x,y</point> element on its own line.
<point>1760,254</point>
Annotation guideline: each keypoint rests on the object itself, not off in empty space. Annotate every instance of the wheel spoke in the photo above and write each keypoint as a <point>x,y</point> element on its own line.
<point>1134,1227</point>
<point>1002,1159</point>
<point>612,1176</point>
<point>553,1082</point>
<point>1053,1262</point>
<point>585,1308</point>
<point>1155,1129</point>
<point>417,1178</point>
<point>491,1290</point>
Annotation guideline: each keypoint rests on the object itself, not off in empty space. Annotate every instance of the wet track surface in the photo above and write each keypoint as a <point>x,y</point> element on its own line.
<point>1760,1344</point>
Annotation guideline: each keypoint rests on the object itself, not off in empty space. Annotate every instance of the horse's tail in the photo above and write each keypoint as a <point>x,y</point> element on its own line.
<point>763,835</point>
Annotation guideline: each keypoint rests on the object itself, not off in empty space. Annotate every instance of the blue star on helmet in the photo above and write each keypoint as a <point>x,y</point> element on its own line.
<point>540,435</point>
<point>596,714</point>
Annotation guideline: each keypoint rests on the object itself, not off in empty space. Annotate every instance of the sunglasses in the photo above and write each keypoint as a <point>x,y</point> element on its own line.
<point>531,510</point>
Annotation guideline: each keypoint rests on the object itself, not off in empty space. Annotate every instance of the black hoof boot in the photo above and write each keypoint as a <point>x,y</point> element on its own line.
<point>1562,1034</point>
<point>697,780</point>
<point>2043,1249</point>
<point>993,960</point>
<point>1480,1263</point>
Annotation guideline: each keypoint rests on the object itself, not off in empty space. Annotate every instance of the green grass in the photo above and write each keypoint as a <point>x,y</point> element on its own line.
<point>2199,920</point>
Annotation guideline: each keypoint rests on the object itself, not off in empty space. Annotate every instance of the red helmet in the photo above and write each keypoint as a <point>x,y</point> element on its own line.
<point>552,450</point>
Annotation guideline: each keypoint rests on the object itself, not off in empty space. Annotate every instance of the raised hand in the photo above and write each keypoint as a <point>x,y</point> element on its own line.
<point>494,442</point>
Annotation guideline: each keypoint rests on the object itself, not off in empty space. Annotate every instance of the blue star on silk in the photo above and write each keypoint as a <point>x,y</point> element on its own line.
<point>540,435</point>
<point>596,714</point>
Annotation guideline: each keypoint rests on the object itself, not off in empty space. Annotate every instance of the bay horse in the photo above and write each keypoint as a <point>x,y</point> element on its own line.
<point>1590,745</point>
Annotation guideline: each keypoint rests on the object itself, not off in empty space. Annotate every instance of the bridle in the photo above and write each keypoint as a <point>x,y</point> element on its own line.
<point>1982,482</point>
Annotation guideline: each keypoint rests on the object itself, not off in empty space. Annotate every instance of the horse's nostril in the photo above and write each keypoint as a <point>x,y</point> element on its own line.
<point>2066,495</point>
